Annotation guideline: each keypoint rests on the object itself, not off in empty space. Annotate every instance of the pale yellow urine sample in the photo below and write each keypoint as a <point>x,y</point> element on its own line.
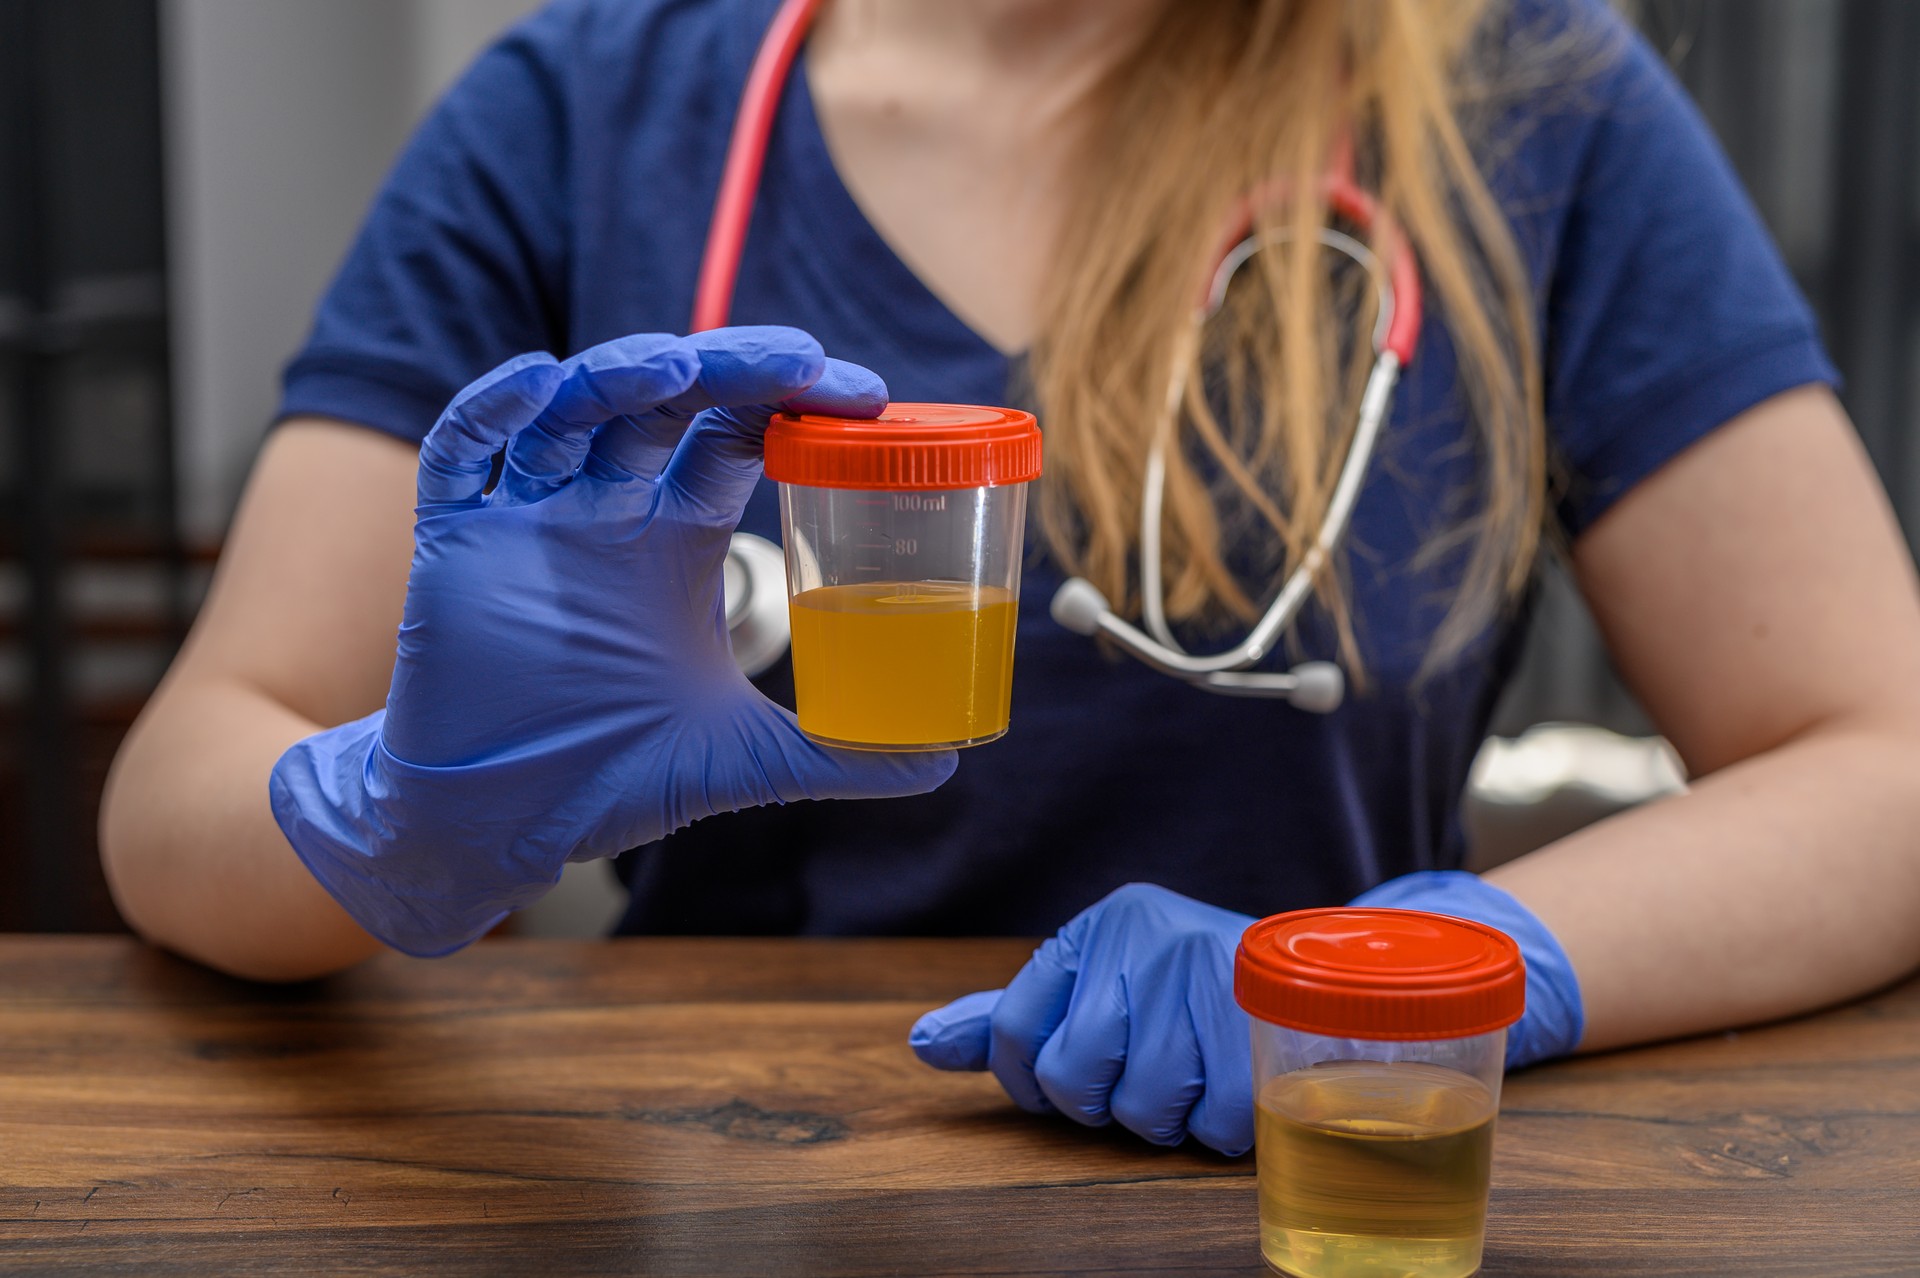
<point>1373,1170</point>
<point>903,665</point>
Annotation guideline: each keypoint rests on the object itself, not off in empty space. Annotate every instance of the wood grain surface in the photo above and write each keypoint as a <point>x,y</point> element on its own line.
<point>750,1107</point>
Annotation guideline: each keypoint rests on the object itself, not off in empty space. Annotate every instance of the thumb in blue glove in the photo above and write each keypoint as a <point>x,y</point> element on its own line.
<point>564,687</point>
<point>1555,1017</point>
<point>1127,1016</point>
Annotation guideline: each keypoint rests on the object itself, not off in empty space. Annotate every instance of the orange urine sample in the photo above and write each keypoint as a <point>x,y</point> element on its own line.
<point>903,665</point>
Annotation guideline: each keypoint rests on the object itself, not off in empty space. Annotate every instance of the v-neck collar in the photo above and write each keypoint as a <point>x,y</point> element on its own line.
<point>833,216</point>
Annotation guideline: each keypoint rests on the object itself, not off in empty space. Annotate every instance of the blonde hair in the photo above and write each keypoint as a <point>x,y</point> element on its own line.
<point>1221,98</point>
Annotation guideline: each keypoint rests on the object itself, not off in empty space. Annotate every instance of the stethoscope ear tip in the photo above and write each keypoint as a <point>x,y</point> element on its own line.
<point>1319,687</point>
<point>1078,606</point>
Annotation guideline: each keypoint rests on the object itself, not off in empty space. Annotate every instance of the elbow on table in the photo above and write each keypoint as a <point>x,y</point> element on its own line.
<point>258,919</point>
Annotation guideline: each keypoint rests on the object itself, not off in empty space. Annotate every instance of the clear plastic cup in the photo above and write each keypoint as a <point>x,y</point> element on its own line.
<point>1379,1041</point>
<point>904,535</point>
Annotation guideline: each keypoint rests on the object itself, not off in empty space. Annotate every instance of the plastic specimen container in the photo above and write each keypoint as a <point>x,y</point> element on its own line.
<point>1379,1041</point>
<point>904,535</point>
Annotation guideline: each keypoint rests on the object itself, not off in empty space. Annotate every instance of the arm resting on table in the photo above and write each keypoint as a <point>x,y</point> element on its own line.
<point>296,635</point>
<point>1758,597</point>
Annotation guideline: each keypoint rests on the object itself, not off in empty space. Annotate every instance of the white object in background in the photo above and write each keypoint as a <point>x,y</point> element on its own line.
<point>587,902</point>
<point>757,619</point>
<point>1554,779</point>
<point>1551,757</point>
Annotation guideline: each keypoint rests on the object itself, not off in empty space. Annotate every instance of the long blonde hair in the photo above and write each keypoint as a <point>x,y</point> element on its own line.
<point>1221,98</point>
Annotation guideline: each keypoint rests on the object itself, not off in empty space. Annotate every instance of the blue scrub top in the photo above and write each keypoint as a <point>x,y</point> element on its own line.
<point>558,197</point>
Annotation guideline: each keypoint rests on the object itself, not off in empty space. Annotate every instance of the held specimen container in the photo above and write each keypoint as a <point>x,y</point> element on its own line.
<point>1379,1038</point>
<point>904,535</point>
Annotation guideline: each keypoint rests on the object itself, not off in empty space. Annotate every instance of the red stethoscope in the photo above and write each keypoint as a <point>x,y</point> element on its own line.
<point>1078,605</point>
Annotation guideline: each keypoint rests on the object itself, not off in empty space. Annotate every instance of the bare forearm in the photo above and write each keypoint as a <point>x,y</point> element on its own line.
<point>191,848</point>
<point>1777,885</point>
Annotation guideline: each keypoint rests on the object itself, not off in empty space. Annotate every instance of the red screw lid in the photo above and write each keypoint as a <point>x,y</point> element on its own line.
<point>1380,974</point>
<point>909,447</point>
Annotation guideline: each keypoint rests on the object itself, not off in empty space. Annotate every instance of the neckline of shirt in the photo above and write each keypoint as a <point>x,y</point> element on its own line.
<point>833,216</point>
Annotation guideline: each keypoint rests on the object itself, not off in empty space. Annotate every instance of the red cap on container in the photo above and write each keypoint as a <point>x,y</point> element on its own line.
<point>909,447</point>
<point>1380,974</point>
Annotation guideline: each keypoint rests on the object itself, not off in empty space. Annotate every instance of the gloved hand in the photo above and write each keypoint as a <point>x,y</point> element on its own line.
<point>1554,1019</point>
<point>1127,1015</point>
<point>564,688</point>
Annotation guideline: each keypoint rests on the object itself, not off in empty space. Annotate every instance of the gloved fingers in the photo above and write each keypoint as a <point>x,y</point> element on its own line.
<point>751,365</point>
<point>956,1036</point>
<point>1085,1056</point>
<point>796,767</point>
<point>843,390</point>
<point>733,366</point>
<point>1031,1009</point>
<point>540,460</point>
<point>608,389</point>
<point>456,457</point>
<point>718,462</point>
<point>1222,1117</point>
<point>1163,1076</point>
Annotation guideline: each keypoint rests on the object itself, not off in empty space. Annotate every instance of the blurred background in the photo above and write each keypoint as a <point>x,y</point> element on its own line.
<point>178,180</point>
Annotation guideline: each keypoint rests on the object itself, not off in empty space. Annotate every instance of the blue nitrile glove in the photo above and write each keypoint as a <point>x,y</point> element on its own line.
<point>1127,1015</point>
<point>564,688</point>
<point>1554,1019</point>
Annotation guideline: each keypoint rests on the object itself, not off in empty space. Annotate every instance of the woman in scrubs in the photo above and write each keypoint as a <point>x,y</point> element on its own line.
<point>1008,201</point>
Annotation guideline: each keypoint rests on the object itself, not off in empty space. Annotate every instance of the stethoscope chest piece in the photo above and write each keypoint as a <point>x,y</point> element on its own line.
<point>757,620</point>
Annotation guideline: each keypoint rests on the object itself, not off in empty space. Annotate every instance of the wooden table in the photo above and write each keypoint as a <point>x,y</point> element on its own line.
<point>682,1107</point>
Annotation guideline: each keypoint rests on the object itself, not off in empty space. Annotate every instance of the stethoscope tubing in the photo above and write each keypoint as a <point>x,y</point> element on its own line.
<point>746,158</point>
